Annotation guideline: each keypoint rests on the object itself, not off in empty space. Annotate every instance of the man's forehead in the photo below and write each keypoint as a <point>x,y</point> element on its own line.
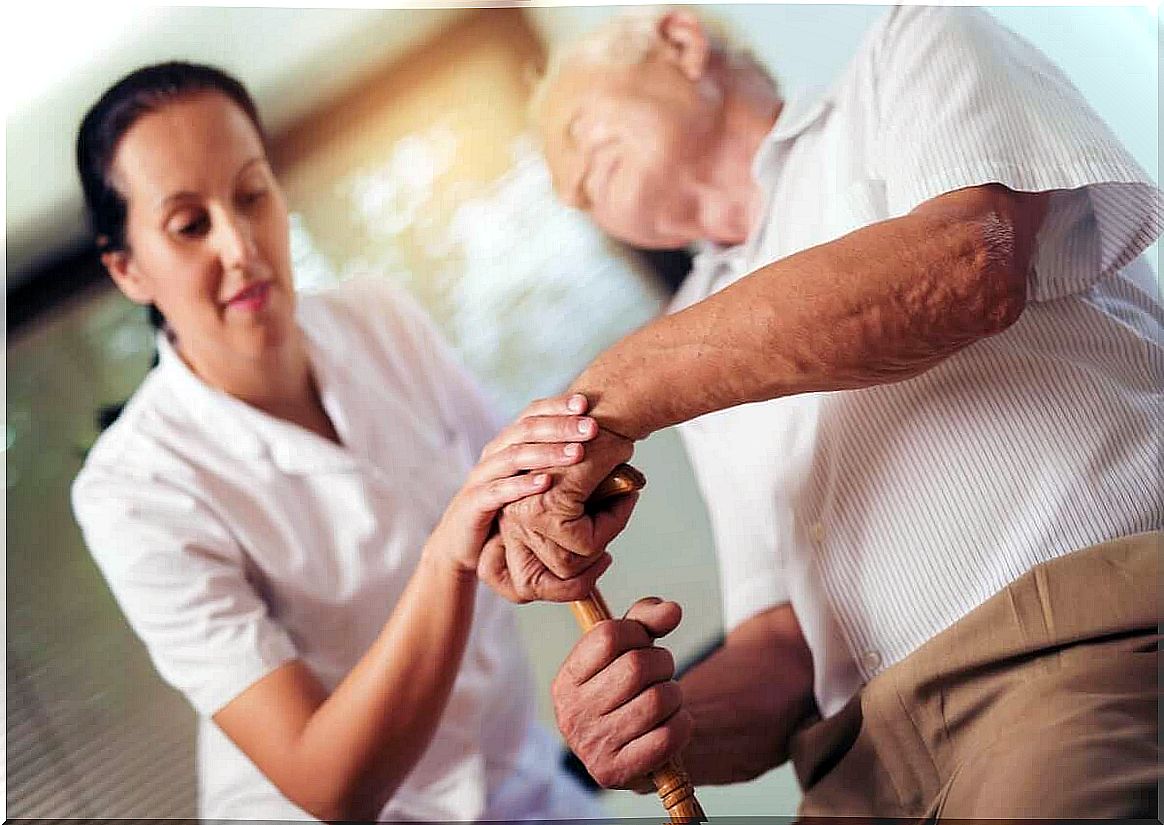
<point>573,105</point>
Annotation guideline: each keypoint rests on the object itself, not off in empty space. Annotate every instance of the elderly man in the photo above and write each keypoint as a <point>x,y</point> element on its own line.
<point>919,361</point>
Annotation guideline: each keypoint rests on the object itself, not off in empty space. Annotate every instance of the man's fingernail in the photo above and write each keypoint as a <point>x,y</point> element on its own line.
<point>540,478</point>
<point>585,426</point>
<point>577,403</point>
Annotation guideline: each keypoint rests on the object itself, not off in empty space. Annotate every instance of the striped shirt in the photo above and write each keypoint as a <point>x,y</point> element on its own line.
<point>885,514</point>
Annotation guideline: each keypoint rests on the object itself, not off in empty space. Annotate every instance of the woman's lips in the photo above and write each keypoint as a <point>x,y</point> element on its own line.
<point>253,298</point>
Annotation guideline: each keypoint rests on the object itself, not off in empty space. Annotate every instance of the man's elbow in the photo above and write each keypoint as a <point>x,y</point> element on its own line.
<point>1001,270</point>
<point>995,228</point>
<point>1007,224</point>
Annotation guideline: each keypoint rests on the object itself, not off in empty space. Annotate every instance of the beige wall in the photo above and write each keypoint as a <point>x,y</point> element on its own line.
<point>467,83</point>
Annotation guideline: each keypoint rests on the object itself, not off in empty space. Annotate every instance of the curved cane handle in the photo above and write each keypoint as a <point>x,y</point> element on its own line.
<point>671,781</point>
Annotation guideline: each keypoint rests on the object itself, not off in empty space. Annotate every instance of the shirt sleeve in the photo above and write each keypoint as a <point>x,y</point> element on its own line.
<point>744,528</point>
<point>180,580</point>
<point>961,101</point>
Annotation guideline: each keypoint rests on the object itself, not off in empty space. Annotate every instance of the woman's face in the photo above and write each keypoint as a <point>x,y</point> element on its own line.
<point>206,230</point>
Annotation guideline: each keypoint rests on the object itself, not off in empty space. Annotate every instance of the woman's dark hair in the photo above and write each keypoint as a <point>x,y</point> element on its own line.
<point>145,90</point>
<point>139,93</point>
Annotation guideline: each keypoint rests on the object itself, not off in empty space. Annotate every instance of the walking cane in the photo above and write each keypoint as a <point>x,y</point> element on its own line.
<point>671,781</point>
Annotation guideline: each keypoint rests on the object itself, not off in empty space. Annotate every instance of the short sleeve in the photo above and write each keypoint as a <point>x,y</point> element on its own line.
<point>180,580</point>
<point>961,101</point>
<point>751,576</point>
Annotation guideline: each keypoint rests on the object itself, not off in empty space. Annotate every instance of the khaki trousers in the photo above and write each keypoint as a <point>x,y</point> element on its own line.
<point>1041,702</point>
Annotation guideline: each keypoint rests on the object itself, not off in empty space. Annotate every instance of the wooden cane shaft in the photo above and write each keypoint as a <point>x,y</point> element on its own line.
<point>591,610</point>
<point>671,781</point>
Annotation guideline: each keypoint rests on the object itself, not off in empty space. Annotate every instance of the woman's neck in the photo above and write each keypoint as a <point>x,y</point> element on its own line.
<point>280,382</point>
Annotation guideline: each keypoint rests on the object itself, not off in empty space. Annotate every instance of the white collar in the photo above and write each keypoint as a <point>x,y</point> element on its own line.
<point>248,432</point>
<point>801,109</point>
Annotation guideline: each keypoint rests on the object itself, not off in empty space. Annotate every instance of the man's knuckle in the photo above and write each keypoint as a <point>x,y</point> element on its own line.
<point>603,774</point>
<point>662,747</point>
<point>651,703</point>
<point>636,665</point>
<point>605,636</point>
<point>601,742</point>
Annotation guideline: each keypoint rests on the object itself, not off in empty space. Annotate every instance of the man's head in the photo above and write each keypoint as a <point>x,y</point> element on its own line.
<point>649,123</point>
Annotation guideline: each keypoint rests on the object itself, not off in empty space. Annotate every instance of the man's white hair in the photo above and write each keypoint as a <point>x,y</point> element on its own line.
<point>633,36</point>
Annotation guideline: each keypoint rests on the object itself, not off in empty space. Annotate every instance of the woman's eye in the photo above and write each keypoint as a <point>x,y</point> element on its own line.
<point>252,197</point>
<point>192,227</point>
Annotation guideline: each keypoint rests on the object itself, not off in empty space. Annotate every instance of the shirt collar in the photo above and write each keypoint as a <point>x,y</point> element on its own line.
<point>801,110</point>
<point>247,432</point>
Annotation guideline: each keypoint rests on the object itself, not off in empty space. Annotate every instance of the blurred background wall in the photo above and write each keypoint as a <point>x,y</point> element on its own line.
<point>400,138</point>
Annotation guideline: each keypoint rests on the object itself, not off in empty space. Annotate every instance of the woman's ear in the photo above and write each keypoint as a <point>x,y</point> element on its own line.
<point>127,276</point>
<point>685,42</point>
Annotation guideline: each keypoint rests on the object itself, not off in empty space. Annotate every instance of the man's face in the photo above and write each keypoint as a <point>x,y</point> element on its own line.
<point>627,144</point>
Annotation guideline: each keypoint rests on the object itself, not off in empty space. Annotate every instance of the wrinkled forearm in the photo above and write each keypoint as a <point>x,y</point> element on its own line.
<point>879,305</point>
<point>747,699</point>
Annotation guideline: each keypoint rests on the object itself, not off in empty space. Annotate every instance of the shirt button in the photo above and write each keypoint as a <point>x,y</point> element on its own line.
<point>871,660</point>
<point>816,532</point>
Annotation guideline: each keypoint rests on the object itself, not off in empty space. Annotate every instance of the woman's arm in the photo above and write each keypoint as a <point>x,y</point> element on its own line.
<point>342,756</point>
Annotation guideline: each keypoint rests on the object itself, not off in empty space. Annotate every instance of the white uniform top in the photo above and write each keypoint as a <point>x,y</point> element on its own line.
<point>885,514</point>
<point>235,541</point>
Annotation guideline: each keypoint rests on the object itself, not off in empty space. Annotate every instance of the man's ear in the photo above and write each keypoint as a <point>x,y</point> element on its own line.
<point>685,42</point>
<point>127,276</point>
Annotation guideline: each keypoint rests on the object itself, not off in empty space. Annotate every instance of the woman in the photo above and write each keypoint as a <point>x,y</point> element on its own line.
<point>277,508</point>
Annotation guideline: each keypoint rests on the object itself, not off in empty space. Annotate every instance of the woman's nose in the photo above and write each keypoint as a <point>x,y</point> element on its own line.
<point>236,242</point>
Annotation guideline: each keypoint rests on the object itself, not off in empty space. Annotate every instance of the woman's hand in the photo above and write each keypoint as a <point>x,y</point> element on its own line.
<point>549,433</point>
<point>342,756</point>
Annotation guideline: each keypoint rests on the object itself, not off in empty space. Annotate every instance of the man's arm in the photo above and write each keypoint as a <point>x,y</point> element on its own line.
<point>731,717</point>
<point>747,699</point>
<point>881,304</point>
